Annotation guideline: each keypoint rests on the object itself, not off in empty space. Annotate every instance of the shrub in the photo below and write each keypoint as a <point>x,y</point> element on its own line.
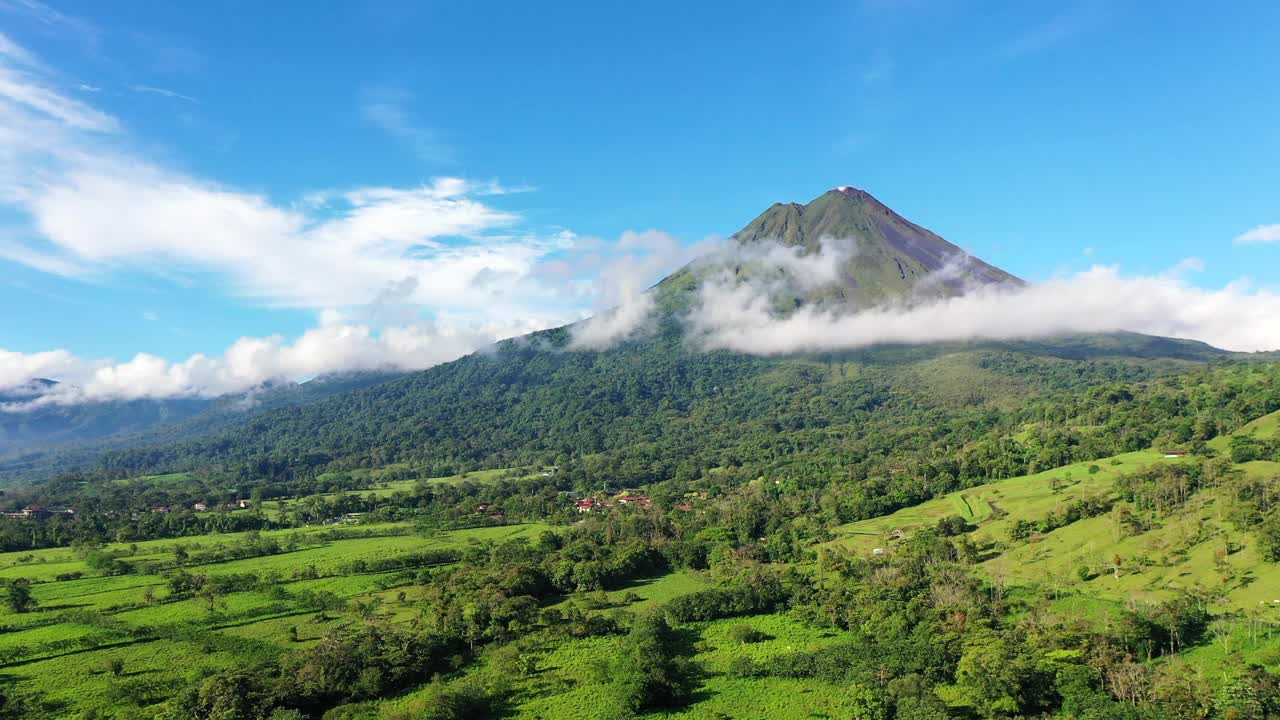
<point>743,667</point>
<point>745,634</point>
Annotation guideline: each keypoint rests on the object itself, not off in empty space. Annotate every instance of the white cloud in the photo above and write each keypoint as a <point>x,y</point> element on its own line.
<point>16,53</point>
<point>738,316</point>
<point>1066,25</point>
<point>18,369</point>
<point>68,168</point>
<point>247,364</point>
<point>21,90</point>
<point>1260,234</point>
<point>620,279</point>
<point>94,206</point>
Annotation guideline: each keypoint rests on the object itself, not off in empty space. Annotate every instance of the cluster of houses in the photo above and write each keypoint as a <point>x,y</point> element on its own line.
<point>630,499</point>
<point>204,507</point>
<point>622,500</point>
<point>37,512</point>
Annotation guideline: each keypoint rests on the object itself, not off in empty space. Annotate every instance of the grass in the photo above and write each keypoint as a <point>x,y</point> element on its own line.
<point>652,591</point>
<point>1021,497</point>
<point>1264,427</point>
<point>569,684</point>
<point>1182,552</point>
<point>61,651</point>
<point>156,479</point>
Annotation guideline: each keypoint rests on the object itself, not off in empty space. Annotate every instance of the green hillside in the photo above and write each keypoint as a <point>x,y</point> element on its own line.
<point>1196,548</point>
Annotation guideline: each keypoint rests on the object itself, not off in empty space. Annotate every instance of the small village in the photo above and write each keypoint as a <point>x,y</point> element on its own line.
<point>41,513</point>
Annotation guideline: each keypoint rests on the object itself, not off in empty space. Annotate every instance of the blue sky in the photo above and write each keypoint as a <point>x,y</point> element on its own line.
<point>277,159</point>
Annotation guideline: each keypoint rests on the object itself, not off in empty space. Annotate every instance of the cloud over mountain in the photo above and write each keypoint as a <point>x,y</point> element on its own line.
<point>739,316</point>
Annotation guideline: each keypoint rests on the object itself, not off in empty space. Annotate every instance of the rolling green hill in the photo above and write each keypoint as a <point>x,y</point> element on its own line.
<point>1182,551</point>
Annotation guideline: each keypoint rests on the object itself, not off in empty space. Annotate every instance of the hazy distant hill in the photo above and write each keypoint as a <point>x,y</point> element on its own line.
<point>56,437</point>
<point>54,424</point>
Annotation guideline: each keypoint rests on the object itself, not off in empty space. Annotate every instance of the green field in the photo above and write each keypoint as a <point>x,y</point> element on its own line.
<point>63,649</point>
<point>568,683</point>
<point>1179,554</point>
<point>1026,496</point>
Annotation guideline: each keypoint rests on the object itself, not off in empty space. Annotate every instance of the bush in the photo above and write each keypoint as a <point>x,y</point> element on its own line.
<point>743,667</point>
<point>953,525</point>
<point>651,671</point>
<point>745,634</point>
<point>462,699</point>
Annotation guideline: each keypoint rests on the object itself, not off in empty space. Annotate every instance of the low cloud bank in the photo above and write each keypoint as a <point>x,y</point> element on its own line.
<point>247,364</point>
<point>737,316</point>
<point>625,303</point>
<point>733,310</point>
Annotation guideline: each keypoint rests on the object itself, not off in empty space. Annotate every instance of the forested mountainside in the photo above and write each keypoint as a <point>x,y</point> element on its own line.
<point>1135,586</point>
<point>654,410</point>
<point>657,403</point>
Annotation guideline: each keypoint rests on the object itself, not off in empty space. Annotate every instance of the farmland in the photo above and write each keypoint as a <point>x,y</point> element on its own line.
<point>64,651</point>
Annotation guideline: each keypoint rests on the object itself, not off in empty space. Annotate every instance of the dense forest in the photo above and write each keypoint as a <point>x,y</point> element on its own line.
<point>891,425</point>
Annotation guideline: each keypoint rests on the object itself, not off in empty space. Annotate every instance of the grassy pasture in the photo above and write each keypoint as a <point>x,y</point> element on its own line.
<point>1020,497</point>
<point>1180,553</point>
<point>63,649</point>
<point>652,591</point>
<point>569,682</point>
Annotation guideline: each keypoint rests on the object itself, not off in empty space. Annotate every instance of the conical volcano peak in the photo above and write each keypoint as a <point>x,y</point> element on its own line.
<point>851,191</point>
<point>889,258</point>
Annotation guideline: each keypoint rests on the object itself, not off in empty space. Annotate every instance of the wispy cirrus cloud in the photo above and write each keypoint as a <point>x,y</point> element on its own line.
<point>55,21</point>
<point>28,95</point>
<point>1069,22</point>
<point>163,92</point>
<point>387,109</point>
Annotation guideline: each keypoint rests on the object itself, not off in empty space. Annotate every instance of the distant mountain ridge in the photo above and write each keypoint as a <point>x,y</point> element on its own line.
<point>70,435</point>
